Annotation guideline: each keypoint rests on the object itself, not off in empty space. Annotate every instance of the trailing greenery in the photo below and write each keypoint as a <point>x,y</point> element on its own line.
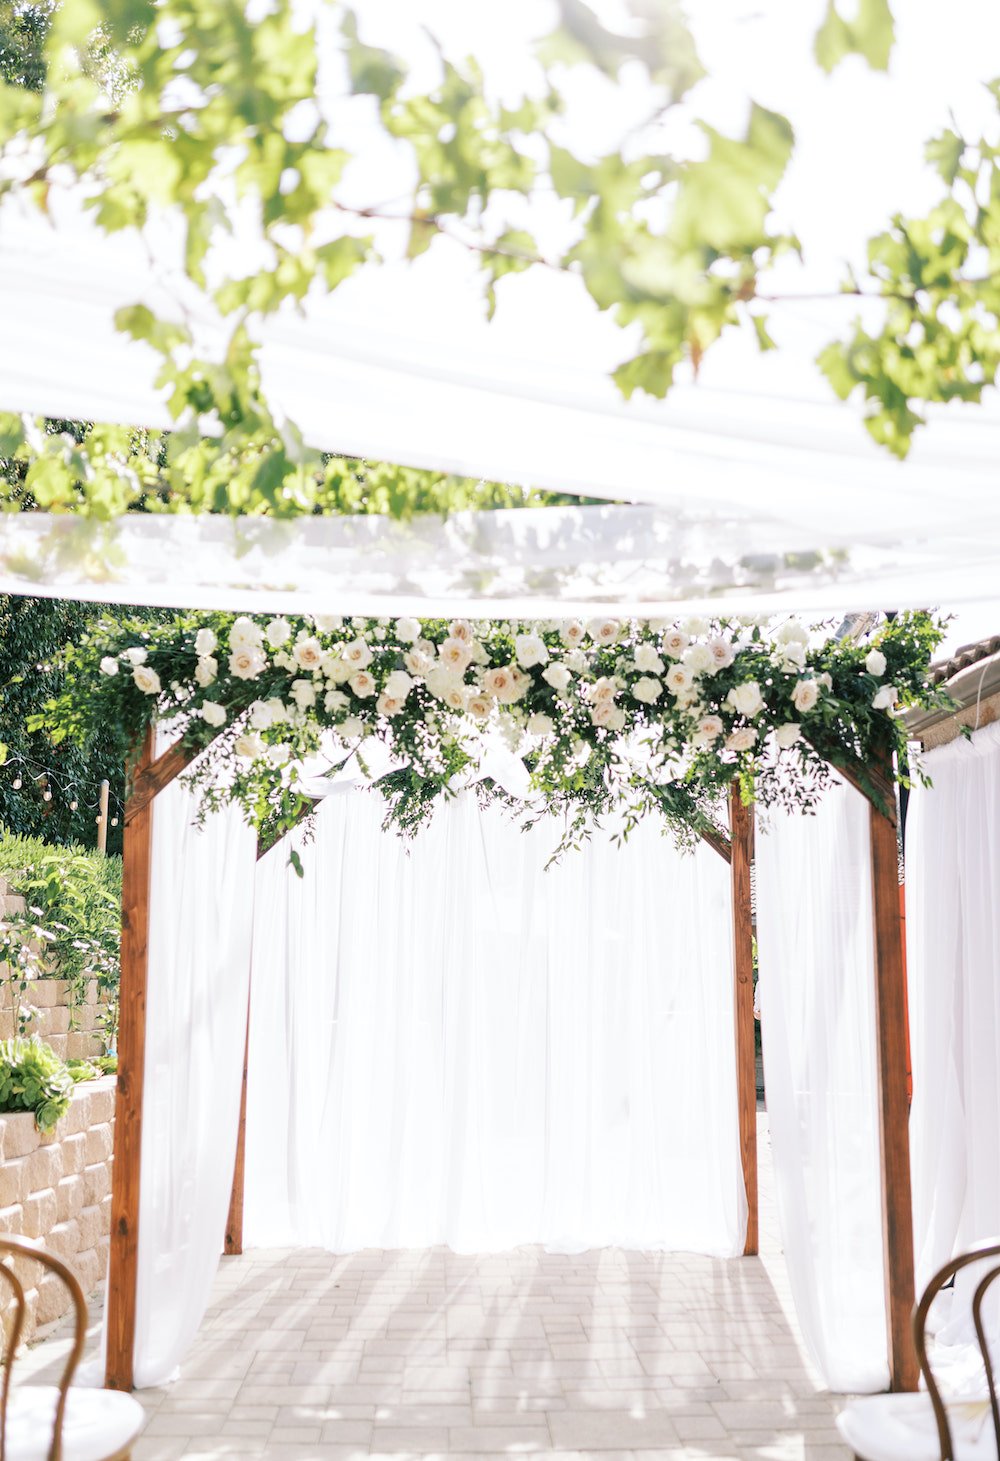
<point>92,1070</point>
<point>633,716</point>
<point>33,1078</point>
<point>73,904</point>
<point>183,104</point>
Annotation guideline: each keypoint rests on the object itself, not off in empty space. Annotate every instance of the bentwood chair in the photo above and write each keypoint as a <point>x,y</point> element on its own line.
<point>925,1427</point>
<point>53,1422</point>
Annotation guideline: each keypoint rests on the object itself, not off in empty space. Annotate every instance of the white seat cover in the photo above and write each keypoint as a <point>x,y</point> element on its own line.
<point>98,1423</point>
<point>902,1428</point>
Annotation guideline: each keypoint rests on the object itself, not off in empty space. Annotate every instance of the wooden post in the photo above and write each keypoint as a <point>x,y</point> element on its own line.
<point>102,820</point>
<point>741,844</point>
<point>234,1222</point>
<point>893,1103</point>
<point>123,1270</point>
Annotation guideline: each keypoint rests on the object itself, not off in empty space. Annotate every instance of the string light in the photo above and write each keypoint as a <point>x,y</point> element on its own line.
<point>80,795</point>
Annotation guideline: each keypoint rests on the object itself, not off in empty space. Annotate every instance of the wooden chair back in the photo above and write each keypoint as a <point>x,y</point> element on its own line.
<point>23,1248</point>
<point>937,1283</point>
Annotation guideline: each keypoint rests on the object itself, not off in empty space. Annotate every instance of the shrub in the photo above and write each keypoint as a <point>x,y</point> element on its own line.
<point>33,1078</point>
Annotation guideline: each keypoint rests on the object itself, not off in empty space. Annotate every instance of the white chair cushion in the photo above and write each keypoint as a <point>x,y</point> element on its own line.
<point>98,1424</point>
<point>902,1428</point>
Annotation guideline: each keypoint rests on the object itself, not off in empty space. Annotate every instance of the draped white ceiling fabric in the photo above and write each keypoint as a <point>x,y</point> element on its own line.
<point>451,1045</point>
<point>749,470</point>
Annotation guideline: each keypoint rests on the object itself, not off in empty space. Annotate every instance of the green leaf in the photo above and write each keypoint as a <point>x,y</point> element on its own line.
<point>871,34</point>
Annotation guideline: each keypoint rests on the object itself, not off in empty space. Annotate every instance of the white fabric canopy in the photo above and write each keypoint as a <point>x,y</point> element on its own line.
<point>953,961</point>
<point>451,1045</point>
<point>817,1000</point>
<point>200,922</point>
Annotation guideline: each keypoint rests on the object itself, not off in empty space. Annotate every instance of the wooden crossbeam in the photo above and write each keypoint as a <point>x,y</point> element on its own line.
<point>151,777</point>
<point>718,841</point>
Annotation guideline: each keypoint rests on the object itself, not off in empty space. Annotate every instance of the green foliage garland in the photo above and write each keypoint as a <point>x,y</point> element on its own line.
<point>637,717</point>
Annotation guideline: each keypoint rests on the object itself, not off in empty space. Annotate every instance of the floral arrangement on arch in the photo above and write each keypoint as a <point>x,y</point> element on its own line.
<point>636,715</point>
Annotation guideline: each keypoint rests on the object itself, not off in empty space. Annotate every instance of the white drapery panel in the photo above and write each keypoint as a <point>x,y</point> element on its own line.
<point>200,924</point>
<point>953,963</point>
<point>449,1045</point>
<point>817,1000</point>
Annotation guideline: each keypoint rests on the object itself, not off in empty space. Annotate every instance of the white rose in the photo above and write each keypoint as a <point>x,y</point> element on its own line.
<point>522,683</point>
<point>327,623</point>
<point>577,661</point>
<point>875,663</point>
<point>136,655</point>
<point>204,643</point>
<point>426,647</point>
<point>351,728</point>
<point>109,666</point>
<point>602,712</point>
<point>746,699</point>
<point>793,656</point>
<point>398,685</point>
<point>278,755</point>
<point>699,658</point>
<point>362,684</point>
<point>461,630</point>
<point>456,654</point>
<point>558,676</point>
<point>283,661</point>
<point>805,695</point>
<point>695,626</point>
<point>417,662</point>
<point>675,642</point>
<point>206,670</point>
<point>147,680</point>
<point>335,700</point>
<point>825,680</point>
<point>602,690</point>
<point>647,660</point>
<point>616,720</point>
<point>573,633</point>
<point>442,682</point>
<point>500,683</point>
<point>479,706</point>
<point>709,730</point>
<point>308,653</point>
<point>604,631</point>
<point>303,692</point>
<point>786,735</point>
<point>678,679</point>
<point>529,649</point>
<point>246,663</point>
<point>540,725</point>
<point>885,697</point>
<point>792,632</point>
<point>213,714</point>
<point>388,704</point>
<point>260,714</point>
<point>407,630</point>
<point>356,654</point>
<point>278,632</point>
<point>245,634</point>
<point>278,710</point>
<point>648,690</point>
<point>333,667</point>
<point>742,739</point>
<point>722,651</point>
<point>249,746</point>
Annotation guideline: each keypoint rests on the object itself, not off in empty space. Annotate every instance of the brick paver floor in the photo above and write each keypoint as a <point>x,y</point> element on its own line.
<point>608,1354</point>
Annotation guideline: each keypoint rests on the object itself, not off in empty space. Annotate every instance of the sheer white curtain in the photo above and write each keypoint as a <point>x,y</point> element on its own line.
<point>953,960</point>
<point>814,930</point>
<point>201,919</point>
<point>451,1045</point>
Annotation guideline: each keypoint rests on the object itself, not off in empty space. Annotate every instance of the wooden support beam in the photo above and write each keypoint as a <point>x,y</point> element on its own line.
<point>152,776</point>
<point>741,844</point>
<point>718,841</point>
<point>136,873</point>
<point>234,1222</point>
<point>893,1102</point>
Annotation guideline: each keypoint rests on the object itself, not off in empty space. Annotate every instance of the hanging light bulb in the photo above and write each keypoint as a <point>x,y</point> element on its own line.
<point>73,806</point>
<point>18,783</point>
<point>46,796</point>
<point>114,821</point>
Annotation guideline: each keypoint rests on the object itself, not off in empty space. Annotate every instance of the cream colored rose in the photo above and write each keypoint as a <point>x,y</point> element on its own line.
<point>245,634</point>
<point>303,692</point>
<point>540,725</point>
<point>417,663</point>
<point>499,682</point>
<point>602,690</point>
<point>722,651</point>
<point>616,720</point>
<point>206,670</point>
<point>529,649</point>
<point>793,655</point>
<point>805,696</point>
<point>461,630</point>
<point>407,630</point>
<point>456,654</point>
<point>710,728</point>
<point>146,680</point>
<point>356,654</point>
<point>699,658</point>
<point>602,712</point>
<point>604,631</point>
<point>335,700</point>
<point>746,699</point>
<point>213,714</point>
<point>278,632</point>
<point>885,697</point>
<point>743,739</point>
<point>136,655</point>
<point>786,735</point>
<point>398,685</point>
<point>875,663</point>
<point>308,653</point>
<point>247,663</point>
<point>278,755</point>
<point>648,690</point>
<point>792,632</point>
<point>479,706</point>
<point>351,728</point>
<point>679,679</point>
<point>249,746</point>
<point>362,684</point>
<point>326,623</point>
<point>388,704</point>
<point>109,666</point>
<point>675,642</point>
<point>521,684</point>
<point>205,643</point>
<point>573,633</point>
<point>558,676</point>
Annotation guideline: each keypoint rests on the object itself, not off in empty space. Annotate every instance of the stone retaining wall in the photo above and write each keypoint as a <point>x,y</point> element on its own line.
<point>56,1186</point>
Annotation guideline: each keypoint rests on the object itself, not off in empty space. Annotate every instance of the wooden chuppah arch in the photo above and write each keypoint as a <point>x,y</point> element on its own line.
<point>149,776</point>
